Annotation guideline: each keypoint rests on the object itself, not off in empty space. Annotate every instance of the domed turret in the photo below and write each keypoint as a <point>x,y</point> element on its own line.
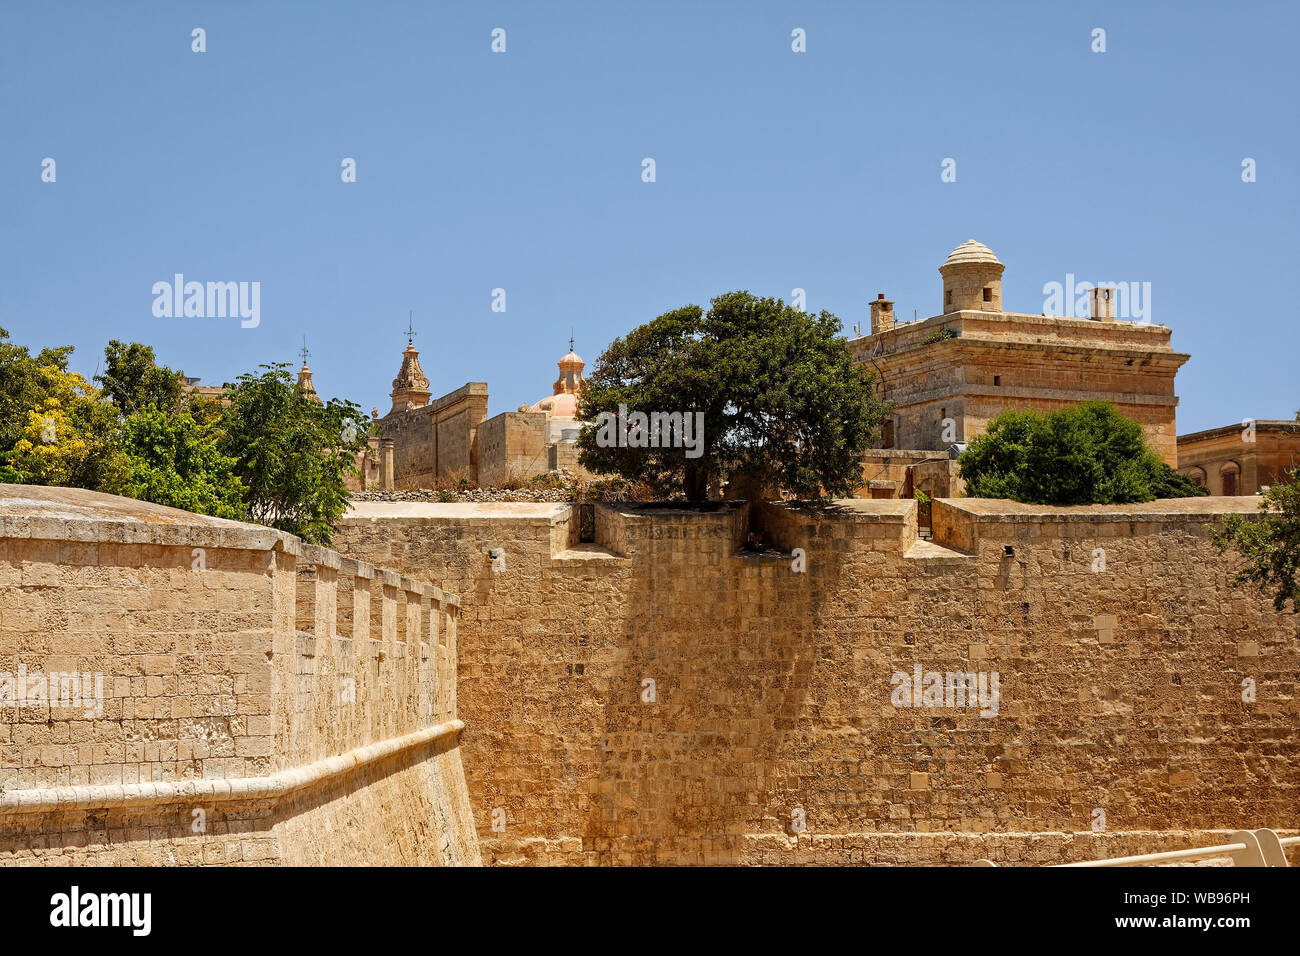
<point>563,401</point>
<point>561,407</point>
<point>972,279</point>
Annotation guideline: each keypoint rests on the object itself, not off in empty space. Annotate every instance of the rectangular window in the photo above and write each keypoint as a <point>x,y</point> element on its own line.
<point>988,294</point>
<point>997,379</point>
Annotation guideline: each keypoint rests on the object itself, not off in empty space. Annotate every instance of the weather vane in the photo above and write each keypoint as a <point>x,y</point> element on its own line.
<point>304,353</point>
<point>410,328</point>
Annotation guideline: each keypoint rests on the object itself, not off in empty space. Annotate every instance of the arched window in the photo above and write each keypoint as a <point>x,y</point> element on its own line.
<point>1229,478</point>
<point>1197,475</point>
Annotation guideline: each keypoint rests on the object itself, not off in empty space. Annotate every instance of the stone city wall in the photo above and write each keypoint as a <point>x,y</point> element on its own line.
<point>662,695</point>
<point>243,698</point>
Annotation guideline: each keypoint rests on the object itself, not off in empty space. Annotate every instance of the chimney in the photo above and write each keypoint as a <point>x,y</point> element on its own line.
<point>882,314</point>
<point>1103,303</point>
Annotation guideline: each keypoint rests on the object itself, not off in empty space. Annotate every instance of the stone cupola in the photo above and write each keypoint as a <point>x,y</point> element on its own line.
<point>563,401</point>
<point>570,379</point>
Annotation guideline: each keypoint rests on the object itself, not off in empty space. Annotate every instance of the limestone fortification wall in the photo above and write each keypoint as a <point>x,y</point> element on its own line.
<point>773,735</point>
<point>259,700</point>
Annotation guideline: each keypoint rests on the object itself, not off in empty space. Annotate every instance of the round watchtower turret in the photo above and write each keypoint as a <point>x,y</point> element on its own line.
<point>972,279</point>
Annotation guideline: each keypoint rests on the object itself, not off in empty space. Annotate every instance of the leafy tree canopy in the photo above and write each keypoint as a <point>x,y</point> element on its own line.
<point>1085,454</point>
<point>781,398</point>
<point>65,435</point>
<point>133,381</point>
<point>21,387</point>
<point>292,453</point>
<point>1270,543</point>
<point>177,462</point>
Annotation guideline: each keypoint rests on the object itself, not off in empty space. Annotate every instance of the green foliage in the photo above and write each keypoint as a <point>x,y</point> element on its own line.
<point>133,381</point>
<point>21,386</point>
<point>1167,483</point>
<point>59,431</point>
<point>782,399</point>
<point>292,453</point>
<point>175,461</point>
<point>272,455</point>
<point>1270,543</point>
<point>940,335</point>
<point>1085,454</point>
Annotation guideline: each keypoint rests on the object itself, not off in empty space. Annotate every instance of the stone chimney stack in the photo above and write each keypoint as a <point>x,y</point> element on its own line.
<point>882,314</point>
<point>1103,304</point>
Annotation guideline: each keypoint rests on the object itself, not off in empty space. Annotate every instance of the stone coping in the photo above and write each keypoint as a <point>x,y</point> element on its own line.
<point>275,787</point>
<point>75,514</point>
<point>363,510</point>
<point>878,509</point>
<point>1163,509</point>
<point>1070,323</point>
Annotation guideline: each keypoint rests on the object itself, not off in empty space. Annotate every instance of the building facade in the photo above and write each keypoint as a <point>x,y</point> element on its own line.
<point>1242,459</point>
<point>425,441</point>
<point>952,373</point>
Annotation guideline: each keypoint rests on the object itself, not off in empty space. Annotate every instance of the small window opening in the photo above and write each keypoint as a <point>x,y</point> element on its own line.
<point>988,294</point>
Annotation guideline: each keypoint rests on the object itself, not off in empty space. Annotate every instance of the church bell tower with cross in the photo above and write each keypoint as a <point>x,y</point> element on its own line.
<point>411,387</point>
<point>304,374</point>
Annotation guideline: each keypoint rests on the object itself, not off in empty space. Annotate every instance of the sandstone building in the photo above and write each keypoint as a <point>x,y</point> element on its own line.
<point>952,373</point>
<point>948,375</point>
<point>1240,459</point>
<point>422,440</point>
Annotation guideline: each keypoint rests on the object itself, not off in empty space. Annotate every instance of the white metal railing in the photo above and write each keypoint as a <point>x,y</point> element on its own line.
<point>1247,848</point>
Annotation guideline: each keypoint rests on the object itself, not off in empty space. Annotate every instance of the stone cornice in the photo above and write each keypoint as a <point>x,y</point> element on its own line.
<point>1280,426</point>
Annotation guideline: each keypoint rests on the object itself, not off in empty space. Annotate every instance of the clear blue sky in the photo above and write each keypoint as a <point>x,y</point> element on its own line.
<point>522,170</point>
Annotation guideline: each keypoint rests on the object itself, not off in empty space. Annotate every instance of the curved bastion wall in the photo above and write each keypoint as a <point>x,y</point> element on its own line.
<point>662,694</point>
<point>178,689</point>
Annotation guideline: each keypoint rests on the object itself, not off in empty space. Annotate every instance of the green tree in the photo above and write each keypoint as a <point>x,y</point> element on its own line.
<point>1269,542</point>
<point>1084,454</point>
<point>175,461</point>
<point>133,381</point>
<point>21,385</point>
<point>781,398</point>
<point>292,453</point>
<point>69,437</point>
